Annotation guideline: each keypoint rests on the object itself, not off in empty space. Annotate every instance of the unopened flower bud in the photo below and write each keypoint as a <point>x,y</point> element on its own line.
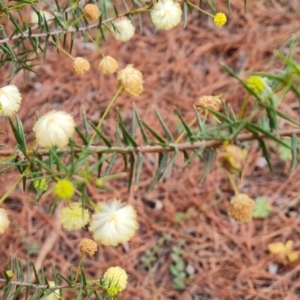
<point>131,80</point>
<point>91,12</point>
<point>99,182</point>
<point>241,208</point>
<point>108,65</point>
<point>81,65</point>
<point>232,158</point>
<point>220,19</point>
<point>87,246</point>
<point>64,189</point>
<point>40,185</point>
<point>211,102</point>
<point>256,83</point>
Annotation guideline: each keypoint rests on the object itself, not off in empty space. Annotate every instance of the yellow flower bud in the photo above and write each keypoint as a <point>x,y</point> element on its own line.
<point>91,12</point>
<point>241,208</point>
<point>256,83</point>
<point>99,182</point>
<point>81,65</point>
<point>220,19</point>
<point>131,80</point>
<point>64,189</point>
<point>87,246</point>
<point>108,65</point>
<point>41,185</point>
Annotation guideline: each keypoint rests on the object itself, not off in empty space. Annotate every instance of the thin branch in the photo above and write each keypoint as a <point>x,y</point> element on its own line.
<point>26,34</point>
<point>38,286</point>
<point>157,148</point>
<point>47,287</point>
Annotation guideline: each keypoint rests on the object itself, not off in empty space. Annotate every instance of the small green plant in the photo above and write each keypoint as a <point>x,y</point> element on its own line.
<point>150,256</point>
<point>177,268</point>
<point>262,208</point>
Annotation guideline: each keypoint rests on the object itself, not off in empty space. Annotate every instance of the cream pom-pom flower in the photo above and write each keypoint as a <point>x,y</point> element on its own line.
<point>4,220</point>
<point>123,29</point>
<point>114,223</point>
<point>47,16</point>
<point>54,129</point>
<point>55,294</point>
<point>10,100</point>
<point>74,217</point>
<point>166,14</point>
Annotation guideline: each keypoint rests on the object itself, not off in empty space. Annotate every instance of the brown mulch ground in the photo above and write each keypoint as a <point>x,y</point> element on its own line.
<point>225,260</point>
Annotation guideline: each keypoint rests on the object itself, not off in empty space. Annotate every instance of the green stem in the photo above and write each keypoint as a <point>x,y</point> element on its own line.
<point>13,186</point>
<point>243,107</point>
<point>233,184</point>
<point>200,9</point>
<point>183,133</point>
<point>101,52</point>
<point>62,49</point>
<point>112,101</point>
<point>78,269</point>
<point>75,21</point>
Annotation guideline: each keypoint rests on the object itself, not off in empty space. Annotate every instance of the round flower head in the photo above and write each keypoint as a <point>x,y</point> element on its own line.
<point>91,12</point>
<point>10,100</point>
<point>232,158</point>
<point>211,102</point>
<point>256,83</point>
<point>220,19</point>
<point>241,208</point>
<point>123,29</point>
<point>114,223</point>
<point>64,189</point>
<point>114,281</point>
<point>44,14</point>
<point>87,246</point>
<point>54,129</point>
<point>131,80</point>
<point>4,221</point>
<point>108,65</point>
<point>81,65</point>
<point>74,217</point>
<point>166,14</point>
<point>55,294</point>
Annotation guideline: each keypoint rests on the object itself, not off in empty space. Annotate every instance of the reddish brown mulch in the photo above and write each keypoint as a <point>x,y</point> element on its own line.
<point>226,260</point>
